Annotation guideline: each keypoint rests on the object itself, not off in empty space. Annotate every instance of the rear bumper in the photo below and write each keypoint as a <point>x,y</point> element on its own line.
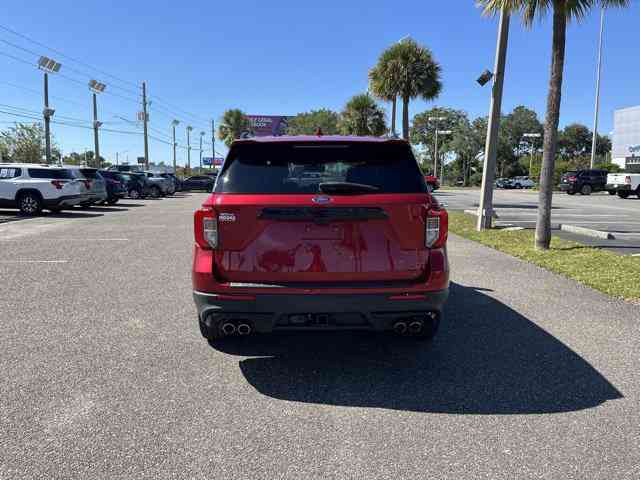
<point>64,201</point>
<point>617,187</point>
<point>567,187</point>
<point>269,312</point>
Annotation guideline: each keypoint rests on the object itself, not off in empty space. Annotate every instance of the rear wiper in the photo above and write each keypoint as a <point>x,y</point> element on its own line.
<point>346,188</point>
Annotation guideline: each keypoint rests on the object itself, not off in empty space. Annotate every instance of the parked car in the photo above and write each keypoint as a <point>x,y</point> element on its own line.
<point>364,247</point>
<point>175,181</point>
<point>158,185</point>
<point>93,185</point>
<point>583,181</point>
<point>134,186</point>
<point>432,182</point>
<point>116,186</point>
<point>522,182</point>
<point>198,182</point>
<point>31,188</point>
<point>144,185</point>
<point>504,183</point>
<point>623,184</point>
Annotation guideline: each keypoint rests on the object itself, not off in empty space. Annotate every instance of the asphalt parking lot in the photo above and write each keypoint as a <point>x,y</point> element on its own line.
<point>104,375</point>
<point>600,212</point>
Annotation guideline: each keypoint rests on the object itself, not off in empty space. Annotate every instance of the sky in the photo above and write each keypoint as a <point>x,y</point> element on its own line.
<point>202,57</point>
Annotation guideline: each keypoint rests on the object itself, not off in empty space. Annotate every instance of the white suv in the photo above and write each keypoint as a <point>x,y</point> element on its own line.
<point>522,182</point>
<point>32,187</point>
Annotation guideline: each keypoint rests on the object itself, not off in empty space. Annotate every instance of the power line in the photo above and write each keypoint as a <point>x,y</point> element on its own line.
<point>58,52</point>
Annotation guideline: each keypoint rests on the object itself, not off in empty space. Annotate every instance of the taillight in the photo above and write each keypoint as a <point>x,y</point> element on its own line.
<point>436,228</point>
<point>58,184</point>
<point>206,229</point>
<point>572,179</point>
<point>627,180</point>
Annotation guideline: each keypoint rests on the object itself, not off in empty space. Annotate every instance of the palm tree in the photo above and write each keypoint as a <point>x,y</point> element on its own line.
<point>233,124</point>
<point>411,71</point>
<point>384,83</point>
<point>363,117</point>
<point>563,12</point>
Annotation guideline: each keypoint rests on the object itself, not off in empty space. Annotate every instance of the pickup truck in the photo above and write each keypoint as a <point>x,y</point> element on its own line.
<point>623,184</point>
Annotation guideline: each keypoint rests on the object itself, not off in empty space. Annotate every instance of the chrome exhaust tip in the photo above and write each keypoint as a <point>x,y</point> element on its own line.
<point>244,329</point>
<point>400,328</point>
<point>416,327</point>
<point>228,328</point>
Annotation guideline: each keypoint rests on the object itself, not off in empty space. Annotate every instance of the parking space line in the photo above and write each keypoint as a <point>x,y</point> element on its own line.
<point>32,261</point>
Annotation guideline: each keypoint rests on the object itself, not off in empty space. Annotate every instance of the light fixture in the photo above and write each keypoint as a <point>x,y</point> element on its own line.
<point>96,86</point>
<point>486,76</point>
<point>48,65</point>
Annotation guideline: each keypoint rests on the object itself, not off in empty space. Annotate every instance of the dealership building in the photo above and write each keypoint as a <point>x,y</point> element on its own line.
<point>626,139</point>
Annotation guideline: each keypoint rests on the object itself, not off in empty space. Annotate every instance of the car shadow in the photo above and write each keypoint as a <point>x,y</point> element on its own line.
<point>91,213</point>
<point>128,205</point>
<point>487,359</point>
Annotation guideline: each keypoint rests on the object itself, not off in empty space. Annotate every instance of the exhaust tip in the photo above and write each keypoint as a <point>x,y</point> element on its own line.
<point>400,328</point>
<point>228,328</point>
<point>416,327</point>
<point>244,329</point>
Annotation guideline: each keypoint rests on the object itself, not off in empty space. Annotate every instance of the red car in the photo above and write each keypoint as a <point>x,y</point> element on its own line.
<point>320,233</point>
<point>432,182</point>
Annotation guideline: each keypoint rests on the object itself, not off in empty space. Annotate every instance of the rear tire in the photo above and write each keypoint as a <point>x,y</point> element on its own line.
<point>623,194</point>
<point>134,193</point>
<point>30,204</point>
<point>586,190</point>
<point>155,192</point>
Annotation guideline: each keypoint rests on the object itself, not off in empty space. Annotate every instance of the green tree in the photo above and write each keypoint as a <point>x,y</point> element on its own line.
<point>416,72</point>
<point>233,124</point>
<point>307,123</point>
<point>23,143</point>
<point>563,11</point>
<point>362,117</point>
<point>515,125</point>
<point>423,131</point>
<point>384,82</point>
<point>467,143</point>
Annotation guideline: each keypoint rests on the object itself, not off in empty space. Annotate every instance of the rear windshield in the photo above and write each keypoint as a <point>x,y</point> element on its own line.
<point>90,173</point>
<point>52,173</point>
<point>290,168</point>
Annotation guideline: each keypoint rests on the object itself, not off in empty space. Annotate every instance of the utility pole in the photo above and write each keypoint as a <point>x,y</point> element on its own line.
<point>485,211</point>
<point>145,119</point>
<point>189,128</point>
<point>174,124</point>
<point>117,159</point>
<point>594,143</point>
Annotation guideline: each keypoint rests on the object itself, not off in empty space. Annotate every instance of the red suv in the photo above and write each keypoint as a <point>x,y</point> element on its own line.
<point>320,233</point>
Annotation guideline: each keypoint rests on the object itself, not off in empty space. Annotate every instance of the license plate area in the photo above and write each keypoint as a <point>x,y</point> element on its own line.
<point>319,320</point>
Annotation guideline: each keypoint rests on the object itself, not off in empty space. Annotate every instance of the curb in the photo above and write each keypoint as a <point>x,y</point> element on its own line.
<point>475,213</point>
<point>588,232</point>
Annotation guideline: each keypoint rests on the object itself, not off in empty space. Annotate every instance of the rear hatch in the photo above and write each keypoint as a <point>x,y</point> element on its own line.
<point>569,177</point>
<point>98,185</point>
<point>617,179</point>
<point>321,212</point>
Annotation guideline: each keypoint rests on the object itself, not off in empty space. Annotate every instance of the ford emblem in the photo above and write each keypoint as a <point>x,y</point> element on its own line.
<point>322,199</point>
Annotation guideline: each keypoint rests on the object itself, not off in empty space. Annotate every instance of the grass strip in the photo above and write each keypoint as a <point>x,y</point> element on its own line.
<point>615,275</point>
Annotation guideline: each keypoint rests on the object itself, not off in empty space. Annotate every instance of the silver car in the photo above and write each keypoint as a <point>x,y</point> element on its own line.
<point>93,185</point>
<point>159,186</point>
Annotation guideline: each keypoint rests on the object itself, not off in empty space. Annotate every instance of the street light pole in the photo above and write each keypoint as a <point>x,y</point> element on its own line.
<point>189,128</point>
<point>96,87</point>
<point>145,121</point>
<point>532,137</point>
<point>202,134</point>
<point>47,65</point>
<point>485,210</point>
<point>597,109</point>
<point>437,120</point>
